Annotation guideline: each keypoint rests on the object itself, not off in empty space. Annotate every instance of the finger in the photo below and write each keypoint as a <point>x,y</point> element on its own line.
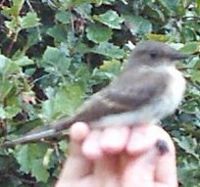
<point>106,171</point>
<point>141,138</point>
<point>113,140</point>
<point>77,165</point>
<point>139,168</point>
<point>155,165</point>
<point>166,171</point>
<point>78,132</point>
<point>91,146</point>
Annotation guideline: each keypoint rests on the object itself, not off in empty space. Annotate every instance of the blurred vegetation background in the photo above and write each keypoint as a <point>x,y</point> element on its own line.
<point>55,53</point>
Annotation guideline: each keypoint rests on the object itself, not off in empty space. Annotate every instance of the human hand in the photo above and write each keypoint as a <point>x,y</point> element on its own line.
<point>143,156</point>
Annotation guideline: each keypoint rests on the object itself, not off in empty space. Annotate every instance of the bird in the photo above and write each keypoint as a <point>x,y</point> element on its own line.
<point>148,89</point>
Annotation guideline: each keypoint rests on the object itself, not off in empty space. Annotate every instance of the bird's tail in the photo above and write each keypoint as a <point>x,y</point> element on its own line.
<point>55,130</point>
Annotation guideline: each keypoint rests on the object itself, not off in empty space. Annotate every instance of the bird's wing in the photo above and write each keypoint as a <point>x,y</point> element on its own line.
<point>133,91</point>
<point>129,92</point>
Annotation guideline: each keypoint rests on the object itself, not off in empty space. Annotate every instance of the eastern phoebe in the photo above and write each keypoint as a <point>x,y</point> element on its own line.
<point>148,89</point>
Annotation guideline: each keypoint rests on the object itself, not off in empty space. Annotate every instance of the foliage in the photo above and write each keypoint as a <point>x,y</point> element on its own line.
<point>55,53</point>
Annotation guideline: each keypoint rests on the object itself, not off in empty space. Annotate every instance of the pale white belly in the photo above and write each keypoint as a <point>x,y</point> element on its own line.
<point>174,94</point>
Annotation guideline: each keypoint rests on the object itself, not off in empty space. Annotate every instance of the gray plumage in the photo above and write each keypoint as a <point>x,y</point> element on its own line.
<point>148,89</point>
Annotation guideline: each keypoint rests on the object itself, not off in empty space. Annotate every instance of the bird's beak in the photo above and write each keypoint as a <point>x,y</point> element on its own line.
<point>178,56</point>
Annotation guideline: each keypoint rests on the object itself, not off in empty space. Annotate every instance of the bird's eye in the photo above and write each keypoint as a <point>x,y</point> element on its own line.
<point>153,55</point>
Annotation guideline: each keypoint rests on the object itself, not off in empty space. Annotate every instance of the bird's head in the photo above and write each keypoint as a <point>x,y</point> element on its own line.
<point>153,53</point>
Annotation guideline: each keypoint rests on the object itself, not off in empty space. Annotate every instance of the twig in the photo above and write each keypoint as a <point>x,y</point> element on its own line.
<point>10,47</point>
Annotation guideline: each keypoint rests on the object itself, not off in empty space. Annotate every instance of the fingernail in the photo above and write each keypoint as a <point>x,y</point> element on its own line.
<point>79,131</point>
<point>114,140</point>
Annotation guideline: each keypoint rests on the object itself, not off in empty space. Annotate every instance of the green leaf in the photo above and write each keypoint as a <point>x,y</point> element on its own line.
<point>38,171</point>
<point>138,25</point>
<point>188,33</point>
<point>48,113</point>
<point>109,50</point>
<point>14,105</point>
<point>188,144</point>
<point>54,60</point>
<point>64,103</point>
<point>170,5</point>
<point>63,145</point>
<point>58,32</point>
<point>79,2</point>
<point>188,170</point>
<point>3,62</point>
<point>15,8</point>
<point>30,158</point>
<point>30,20</point>
<point>83,48</point>
<point>68,98</point>
<point>67,4</point>
<point>24,61</point>
<point>85,11</point>
<point>33,38</point>
<point>64,17</point>
<point>106,2</point>
<point>2,112</point>
<point>12,26</point>
<point>5,88</point>
<point>111,68</point>
<point>155,13</point>
<point>12,111</point>
<point>110,18</point>
<point>98,33</point>
<point>9,68</point>
<point>108,70</point>
<point>158,37</point>
<point>191,47</point>
<point>195,75</point>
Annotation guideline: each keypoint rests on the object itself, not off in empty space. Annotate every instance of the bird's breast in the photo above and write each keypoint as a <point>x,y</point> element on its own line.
<point>174,92</point>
